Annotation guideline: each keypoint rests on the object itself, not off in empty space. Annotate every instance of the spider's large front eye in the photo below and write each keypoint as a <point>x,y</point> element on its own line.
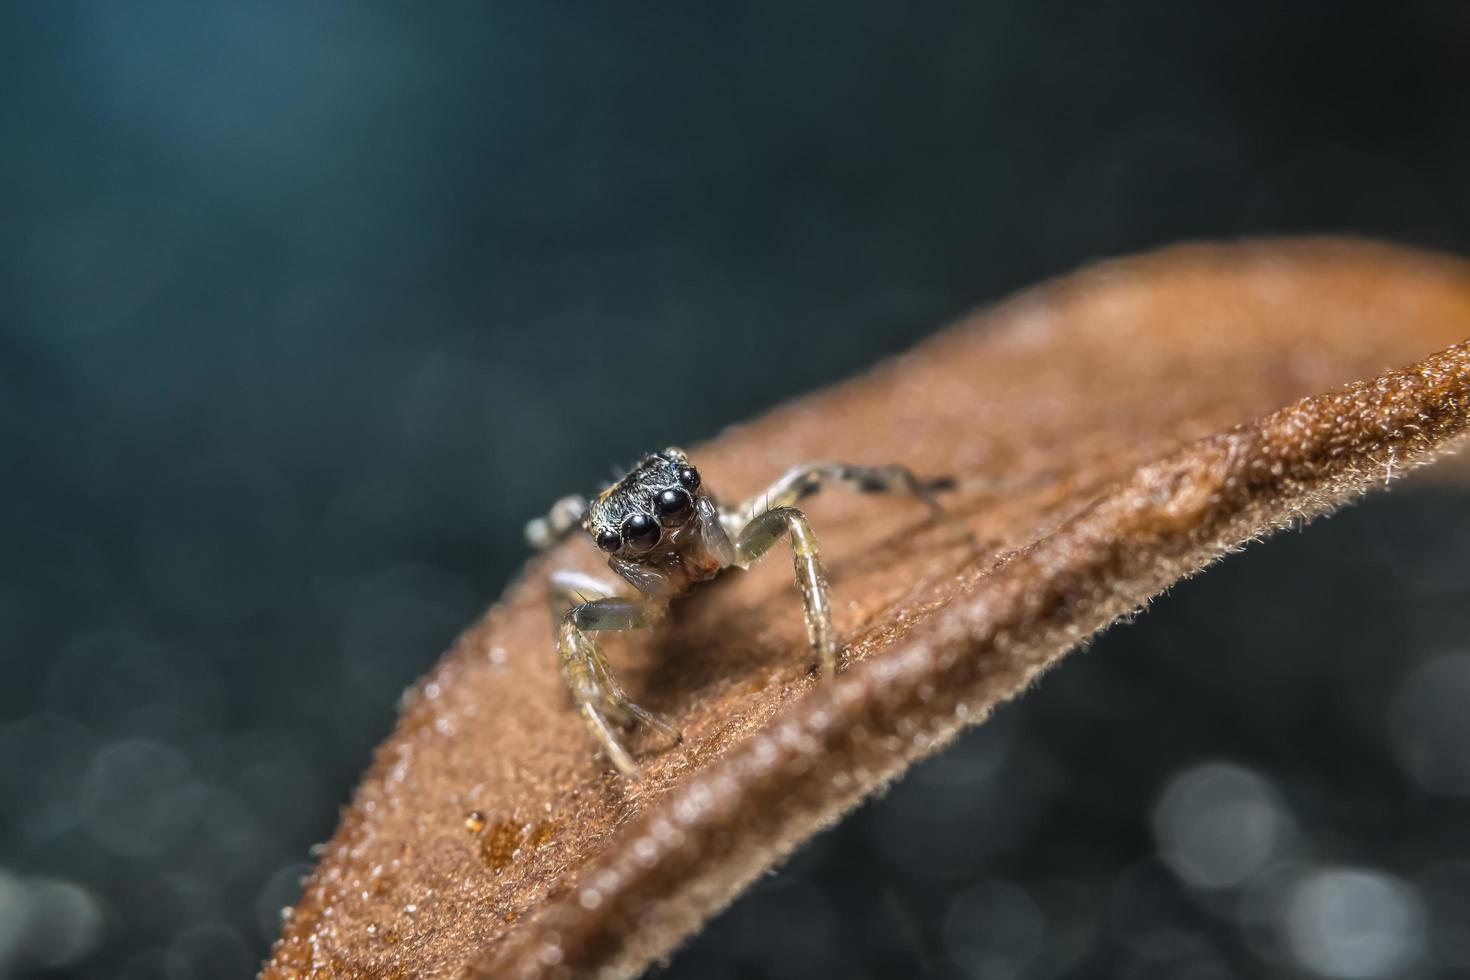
<point>674,507</point>
<point>609,540</point>
<point>640,531</point>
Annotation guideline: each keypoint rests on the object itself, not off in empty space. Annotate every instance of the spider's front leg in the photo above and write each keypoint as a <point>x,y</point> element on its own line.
<point>759,535</point>
<point>582,605</point>
<point>764,519</point>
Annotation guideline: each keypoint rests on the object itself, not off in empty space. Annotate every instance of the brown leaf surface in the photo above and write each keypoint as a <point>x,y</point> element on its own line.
<point>1112,433</point>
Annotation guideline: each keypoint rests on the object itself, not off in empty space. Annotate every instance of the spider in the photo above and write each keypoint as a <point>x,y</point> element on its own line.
<point>665,534</point>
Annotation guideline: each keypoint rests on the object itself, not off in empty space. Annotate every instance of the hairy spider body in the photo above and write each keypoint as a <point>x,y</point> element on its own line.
<point>664,534</point>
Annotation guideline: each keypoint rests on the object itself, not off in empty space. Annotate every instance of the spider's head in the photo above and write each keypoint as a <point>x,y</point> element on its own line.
<point>640,516</point>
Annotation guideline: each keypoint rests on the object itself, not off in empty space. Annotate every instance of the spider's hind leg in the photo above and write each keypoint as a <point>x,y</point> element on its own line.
<point>564,518</point>
<point>802,481</point>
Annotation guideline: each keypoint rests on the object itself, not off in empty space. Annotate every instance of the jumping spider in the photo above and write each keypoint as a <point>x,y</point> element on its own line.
<point>664,534</point>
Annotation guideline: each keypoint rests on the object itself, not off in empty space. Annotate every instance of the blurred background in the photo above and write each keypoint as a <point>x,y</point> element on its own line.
<point>306,308</point>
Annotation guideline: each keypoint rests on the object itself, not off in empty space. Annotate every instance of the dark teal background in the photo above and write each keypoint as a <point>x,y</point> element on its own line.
<point>305,308</point>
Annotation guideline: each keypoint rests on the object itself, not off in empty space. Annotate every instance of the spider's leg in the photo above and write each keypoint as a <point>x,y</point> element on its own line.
<point>802,481</point>
<point>759,535</point>
<point>619,703</point>
<point>567,587</point>
<point>564,518</point>
<point>588,676</point>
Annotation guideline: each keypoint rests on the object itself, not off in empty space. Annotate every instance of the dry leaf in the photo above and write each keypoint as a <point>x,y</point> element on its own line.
<point>1112,433</point>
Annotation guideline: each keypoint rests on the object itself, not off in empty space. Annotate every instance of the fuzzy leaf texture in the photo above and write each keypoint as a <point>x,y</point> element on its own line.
<point>1111,432</point>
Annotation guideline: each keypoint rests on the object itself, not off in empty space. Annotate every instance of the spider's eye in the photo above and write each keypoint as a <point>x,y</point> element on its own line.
<point>640,531</point>
<point>609,540</point>
<point>689,478</point>
<point>674,507</point>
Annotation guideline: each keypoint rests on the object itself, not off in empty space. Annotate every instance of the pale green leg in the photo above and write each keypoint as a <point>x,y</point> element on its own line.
<point>759,536</point>
<point>588,676</point>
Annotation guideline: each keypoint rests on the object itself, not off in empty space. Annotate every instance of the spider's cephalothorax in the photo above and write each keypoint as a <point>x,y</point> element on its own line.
<point>663,534</point>
<point>660,528</point>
